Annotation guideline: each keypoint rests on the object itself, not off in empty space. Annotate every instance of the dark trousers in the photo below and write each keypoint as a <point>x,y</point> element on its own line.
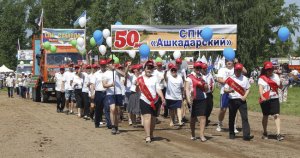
<point>210,104</point>
<point>107,114</point>
<point>79,98</point>
<point>17,90</point>
<point>10,91</point>
<point>86,103</point>
<point>99,105</point>
<point>234,106</point>
<point>60,100</point>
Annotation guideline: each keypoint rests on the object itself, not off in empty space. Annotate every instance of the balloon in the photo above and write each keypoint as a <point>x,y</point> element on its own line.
<point>21,62</point>
<point>118,23</point>
<point>162,53</point>
<point>229,54</point>
<point>100,41</point>
<point>80,41</point>
<point>283,34</point>
<point>97,36</point>
<point>131,53</point>
<point>53,49</point>
<point>80,49</point>
<point>31,62</point>
<point>116,60</point>
<point>144,50</point>
<point>73,43</point>
<point>47,45</point>
<point>158,59</point>
<point>102,49</point>
<point>83,52</point>
<point>176,54</point>
<point>207,33</point>
<point>93,42</point>
<point>109,41</point>
<point>106,33</point>
<point>82,21</point>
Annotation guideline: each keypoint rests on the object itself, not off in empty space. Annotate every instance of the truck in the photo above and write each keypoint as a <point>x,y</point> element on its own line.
<point>294,63</point>
<point>46,64</point>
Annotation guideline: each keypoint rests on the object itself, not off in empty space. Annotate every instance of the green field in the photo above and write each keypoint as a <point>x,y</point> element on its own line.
<point>291,107</point>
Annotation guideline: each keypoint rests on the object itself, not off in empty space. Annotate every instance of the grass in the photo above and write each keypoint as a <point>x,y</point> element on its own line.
<point>291,107</point>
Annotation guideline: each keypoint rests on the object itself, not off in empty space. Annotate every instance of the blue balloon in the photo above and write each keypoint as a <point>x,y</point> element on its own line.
<point>144,50</point>
<point>99,42</point>
<point>98,35</point>
<point>229,54</point>
<point>118,23</point>
<point>207,33</point>
<point>283,34</point>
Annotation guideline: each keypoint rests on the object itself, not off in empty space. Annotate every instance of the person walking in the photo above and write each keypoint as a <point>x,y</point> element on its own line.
<point>69,90</point>
<point>85,92</point>
<point>60,89</point>
<point>10,83</point>
<point>77,85</point>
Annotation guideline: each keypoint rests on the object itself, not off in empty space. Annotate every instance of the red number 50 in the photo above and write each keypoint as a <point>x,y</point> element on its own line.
<point>126,38</point>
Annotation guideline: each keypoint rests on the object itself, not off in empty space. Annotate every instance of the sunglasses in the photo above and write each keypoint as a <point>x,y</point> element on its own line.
<point>197,68</point>
<point>150,67</point>
<point>174,70</point>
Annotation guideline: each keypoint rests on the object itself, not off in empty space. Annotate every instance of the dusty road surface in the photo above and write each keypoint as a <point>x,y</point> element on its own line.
<point>30,129</point>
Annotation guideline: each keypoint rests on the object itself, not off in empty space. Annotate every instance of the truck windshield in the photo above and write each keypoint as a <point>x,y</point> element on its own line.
<point>25,69</point>
<point>62,58</point>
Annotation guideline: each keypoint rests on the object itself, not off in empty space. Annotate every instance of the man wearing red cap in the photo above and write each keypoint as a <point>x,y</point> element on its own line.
<point>85,91</point>
<point>92,90</point>
<point>238,88</point>
<point>195,88</point>
<point>60,89</point>
<point>69,90</point>
<point>269,83</point>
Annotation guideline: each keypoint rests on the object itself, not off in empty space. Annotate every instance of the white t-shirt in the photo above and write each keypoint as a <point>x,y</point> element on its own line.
<point>209,79</point>
<point>68,77</point>
<point>58,81</point>
<point>266,86</point>
<point>129,82</point>
<point>152,84</point>
<point>10,81</point>
<point>243,81</point>
<point>20,82</point>
<point>98,81</point>
<point>91,81</point>
<point>160,77</point>
<point>174,87</point>
<point>86,81</point>
<point>108,76</point>
<point>77,82</point>
<point>225,73</point>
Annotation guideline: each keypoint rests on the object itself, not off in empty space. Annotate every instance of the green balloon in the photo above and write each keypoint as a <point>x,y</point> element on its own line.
<point>53,49</point>
<point>82,52</point>
<point>158,59</point>
<point>116,60</point>
<point>93,42</point>
<point>112,57</point>
<point>73,43</point>
<point>47,45</point>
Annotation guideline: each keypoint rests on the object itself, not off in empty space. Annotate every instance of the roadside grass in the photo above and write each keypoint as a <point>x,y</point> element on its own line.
<point>291,107</point>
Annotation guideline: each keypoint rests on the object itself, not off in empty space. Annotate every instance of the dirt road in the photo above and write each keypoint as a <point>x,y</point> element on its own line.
<point>30,129</point>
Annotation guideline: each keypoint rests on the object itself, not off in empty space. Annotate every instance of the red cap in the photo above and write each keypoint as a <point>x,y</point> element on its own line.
<point>198,64</point>
<point>118,66</point>
<point>88,66</point>
<point>139,66</point>
<point>268,65</point>
<point>71,64</point>
<point>170,65</point>
<point>178,61</point>
<point>238,66</point>
<point>204,66</point>
<point>158,64</point>
<point>94,66</point>
<point>149,63</point>
<point>102,62</point>
<point>62,67</point>
<point>109,60</point>
<point>77,66</point>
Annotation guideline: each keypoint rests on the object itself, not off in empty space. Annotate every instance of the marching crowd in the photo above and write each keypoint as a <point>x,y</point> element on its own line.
<point>142,90</point>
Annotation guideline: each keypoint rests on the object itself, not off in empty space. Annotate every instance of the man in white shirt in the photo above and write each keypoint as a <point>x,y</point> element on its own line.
<point>60,89</point>
<point>10,83</point>
<point>238,88</point>
<point>85,91</point>
<point>69,90</point>
<point>92,90</point>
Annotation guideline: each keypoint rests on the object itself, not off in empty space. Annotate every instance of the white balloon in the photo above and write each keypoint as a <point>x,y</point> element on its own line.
<point>82,21</point>
<point>102,49</point>
<point>131,53</point>
<point>176,54</point>
<point>80,49</point>
<point>162,53</point>
<point>109,41</point>
<point>31,62</point>
<point>80,41</point>
<point>106,33</point>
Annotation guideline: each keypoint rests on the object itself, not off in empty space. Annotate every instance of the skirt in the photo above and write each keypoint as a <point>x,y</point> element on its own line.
<point>173,104</point>
<point>199,108</point>
<point>147,109</point>
<point>133,106</point>
<point>270,107</point>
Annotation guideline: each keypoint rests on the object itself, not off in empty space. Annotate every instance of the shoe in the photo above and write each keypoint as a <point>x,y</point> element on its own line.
<point>265,136</point>
<point>97,126</point>
<point>231,136</point>
<point>109,127</point>
<point>57,110</point>
<point>184,120</point>
<point>193,138</point>
<point>219,127</point>
<point>113,131</point>
<point>148,139</point>
<point>280,137</point>
<point>203,139</point>
<point>236,131</point>
<point>129,122</point>
<point>248,138</point>
<point>117,130</point>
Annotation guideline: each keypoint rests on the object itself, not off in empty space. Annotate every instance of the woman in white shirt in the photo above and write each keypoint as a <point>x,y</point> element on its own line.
<point>269,83</point>
<point>174,93</point>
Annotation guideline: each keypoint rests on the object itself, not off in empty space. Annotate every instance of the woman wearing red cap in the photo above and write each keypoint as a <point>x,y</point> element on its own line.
<point>77,85</point>
<point>149,104</point>
<point>195,88</point>
<point>269,83</point>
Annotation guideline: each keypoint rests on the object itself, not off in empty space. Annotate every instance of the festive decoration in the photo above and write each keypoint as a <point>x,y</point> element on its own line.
<point>144,50</point>
<point>283,34</point>
<point>207,33</point>
<point>229,54</point>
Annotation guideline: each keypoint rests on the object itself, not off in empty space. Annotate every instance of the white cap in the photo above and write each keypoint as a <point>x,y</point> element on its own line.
<point>23,72</point>
<point>295,72</point>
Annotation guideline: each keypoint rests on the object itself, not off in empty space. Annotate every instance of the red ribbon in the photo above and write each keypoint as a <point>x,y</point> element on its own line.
<point>270,82</point>
<point>197,82</point>
<point>144,89</point>
<point>238,88</point>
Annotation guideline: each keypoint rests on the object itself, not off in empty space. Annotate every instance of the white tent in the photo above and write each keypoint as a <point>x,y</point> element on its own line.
<point>4,69</point>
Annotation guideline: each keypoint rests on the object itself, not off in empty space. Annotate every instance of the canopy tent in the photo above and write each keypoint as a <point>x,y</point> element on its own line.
<point>4,69</point>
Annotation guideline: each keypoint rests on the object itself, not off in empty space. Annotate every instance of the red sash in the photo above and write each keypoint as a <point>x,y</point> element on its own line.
<point>211,84</point>
<point>238,88</point>
<point>273,86</point>
<point>197,82</point>
<point>144,89</point>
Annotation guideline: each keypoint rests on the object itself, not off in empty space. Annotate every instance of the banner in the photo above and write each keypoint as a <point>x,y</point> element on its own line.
<point>62,37</point>
<point>25,54</point>
<point>171,38</point>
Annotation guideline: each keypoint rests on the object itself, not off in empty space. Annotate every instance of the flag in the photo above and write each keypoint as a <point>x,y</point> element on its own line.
<point>203,59</point>
<point>76,23</point>
<point>19,47</point>
<point>41,18</point>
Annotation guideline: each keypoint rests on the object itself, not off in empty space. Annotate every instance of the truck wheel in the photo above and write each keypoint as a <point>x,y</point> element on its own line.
<point>44,97</point>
